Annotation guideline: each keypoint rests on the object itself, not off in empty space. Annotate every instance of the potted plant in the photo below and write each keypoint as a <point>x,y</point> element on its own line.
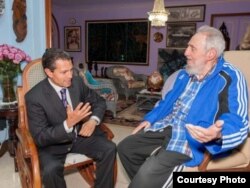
<point>10,60</point>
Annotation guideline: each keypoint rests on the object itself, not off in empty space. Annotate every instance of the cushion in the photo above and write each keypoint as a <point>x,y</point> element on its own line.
<point>73,158</point>
<point>123,72</point>
<point>92,81</point>
<point>90,78</point>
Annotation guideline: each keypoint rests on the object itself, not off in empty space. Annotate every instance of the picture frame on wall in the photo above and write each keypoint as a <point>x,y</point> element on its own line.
<point>179,34</point>
<point>192,13</point>
<point>124,42</point>
<point>72,38</point>
<point>232,21</point>
<point>170,60</point>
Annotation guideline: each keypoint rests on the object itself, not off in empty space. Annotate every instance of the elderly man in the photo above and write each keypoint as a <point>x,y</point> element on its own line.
<point>204,108</point>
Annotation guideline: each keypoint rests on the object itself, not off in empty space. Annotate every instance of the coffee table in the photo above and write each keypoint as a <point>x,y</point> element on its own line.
<point>146,100</point>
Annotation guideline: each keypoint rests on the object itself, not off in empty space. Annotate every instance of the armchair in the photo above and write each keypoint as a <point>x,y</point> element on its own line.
<point>104,87</point>
<point>26,152</point>
<point>126,82</point>
<point>239,160</point>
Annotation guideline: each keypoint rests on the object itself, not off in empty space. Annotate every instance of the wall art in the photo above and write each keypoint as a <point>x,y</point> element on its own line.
<point>117,41</point>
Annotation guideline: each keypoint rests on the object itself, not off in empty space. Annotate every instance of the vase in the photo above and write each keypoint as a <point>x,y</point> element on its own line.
<point>8,89</point>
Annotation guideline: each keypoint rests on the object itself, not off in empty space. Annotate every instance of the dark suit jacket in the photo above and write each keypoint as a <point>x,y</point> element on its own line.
<point>46,114</point>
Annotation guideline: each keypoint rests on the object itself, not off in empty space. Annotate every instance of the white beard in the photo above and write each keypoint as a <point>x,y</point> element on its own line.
<point>197,69</point>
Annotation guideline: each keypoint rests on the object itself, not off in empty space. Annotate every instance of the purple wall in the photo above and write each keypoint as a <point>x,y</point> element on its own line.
<point>134,11</point>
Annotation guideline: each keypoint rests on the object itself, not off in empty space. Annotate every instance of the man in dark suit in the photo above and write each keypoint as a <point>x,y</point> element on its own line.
<point>63,116</point>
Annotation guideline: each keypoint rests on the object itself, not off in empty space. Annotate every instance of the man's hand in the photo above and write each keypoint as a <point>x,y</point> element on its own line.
<point>88,128</point>
<point>144,124</point>
<point>74,116</point>
<point>204,135</point>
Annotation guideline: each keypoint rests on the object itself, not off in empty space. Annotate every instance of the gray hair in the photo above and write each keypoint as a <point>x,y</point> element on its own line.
<point>214,38</point>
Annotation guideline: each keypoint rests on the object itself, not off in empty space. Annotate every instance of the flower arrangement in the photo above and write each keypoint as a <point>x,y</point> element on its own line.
<point>10,59</point>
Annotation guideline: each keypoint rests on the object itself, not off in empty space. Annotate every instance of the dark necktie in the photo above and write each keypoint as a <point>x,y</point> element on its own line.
<point>64,98</point>
<point>65,103</point>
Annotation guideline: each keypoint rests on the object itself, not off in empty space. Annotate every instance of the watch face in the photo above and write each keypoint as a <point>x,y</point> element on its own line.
<point>72,21</point>
<point>158,37</point>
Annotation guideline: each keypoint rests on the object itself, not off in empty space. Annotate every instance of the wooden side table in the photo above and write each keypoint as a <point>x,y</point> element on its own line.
<point>10,113</point>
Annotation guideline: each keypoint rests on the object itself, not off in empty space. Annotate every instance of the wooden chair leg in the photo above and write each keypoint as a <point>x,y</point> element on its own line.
<point>24,172</point>
<point>87,172</point>
<point>115,172</point>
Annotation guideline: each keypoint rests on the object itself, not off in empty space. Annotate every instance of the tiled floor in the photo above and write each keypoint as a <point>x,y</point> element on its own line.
<point>10,179</point>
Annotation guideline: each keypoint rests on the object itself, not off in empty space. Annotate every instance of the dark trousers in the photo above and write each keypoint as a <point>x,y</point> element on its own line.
<point>97,147</point>
<point>146,170</point>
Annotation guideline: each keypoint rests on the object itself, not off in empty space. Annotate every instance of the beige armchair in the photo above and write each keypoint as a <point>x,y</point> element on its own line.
<point>126,82</point>
<point>239,160</point>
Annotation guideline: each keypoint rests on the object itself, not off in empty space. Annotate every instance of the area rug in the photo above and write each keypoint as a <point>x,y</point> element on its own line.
<point>127,115</point>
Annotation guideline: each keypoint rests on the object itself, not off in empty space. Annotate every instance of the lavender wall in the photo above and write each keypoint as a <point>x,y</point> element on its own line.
<point>136,10</point>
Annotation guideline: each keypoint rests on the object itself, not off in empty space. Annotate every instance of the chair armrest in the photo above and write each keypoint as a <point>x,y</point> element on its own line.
<point>102,86</point>
<point>104,83</point>
<point>107,131</point>
<point>28,157</point>
<point>104,80</point>
<point>21,117</point>
<point>111,86</point>
<point>108,83</point>
<point>27,142</point>
<point>141,77</point>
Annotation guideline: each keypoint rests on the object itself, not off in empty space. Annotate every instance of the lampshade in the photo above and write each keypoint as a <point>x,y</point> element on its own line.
<point>159,15</point>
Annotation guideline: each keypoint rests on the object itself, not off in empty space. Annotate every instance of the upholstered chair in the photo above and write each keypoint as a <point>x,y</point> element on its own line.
<point>103,87</point>
<point>126,82</point>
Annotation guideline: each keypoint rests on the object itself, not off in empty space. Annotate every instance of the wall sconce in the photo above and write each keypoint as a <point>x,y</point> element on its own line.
<point>159,15</point>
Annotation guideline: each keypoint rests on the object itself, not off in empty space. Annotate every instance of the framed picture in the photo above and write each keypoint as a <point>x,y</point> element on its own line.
<point>117,41</point>
<point>193,13</point>
<point>179,34</point>
<point>72,38</point>
<point>170,60</point>
<point>234,27</point>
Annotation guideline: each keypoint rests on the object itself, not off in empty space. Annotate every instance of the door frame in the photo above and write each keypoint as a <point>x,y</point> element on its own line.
<point>48,23</point>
